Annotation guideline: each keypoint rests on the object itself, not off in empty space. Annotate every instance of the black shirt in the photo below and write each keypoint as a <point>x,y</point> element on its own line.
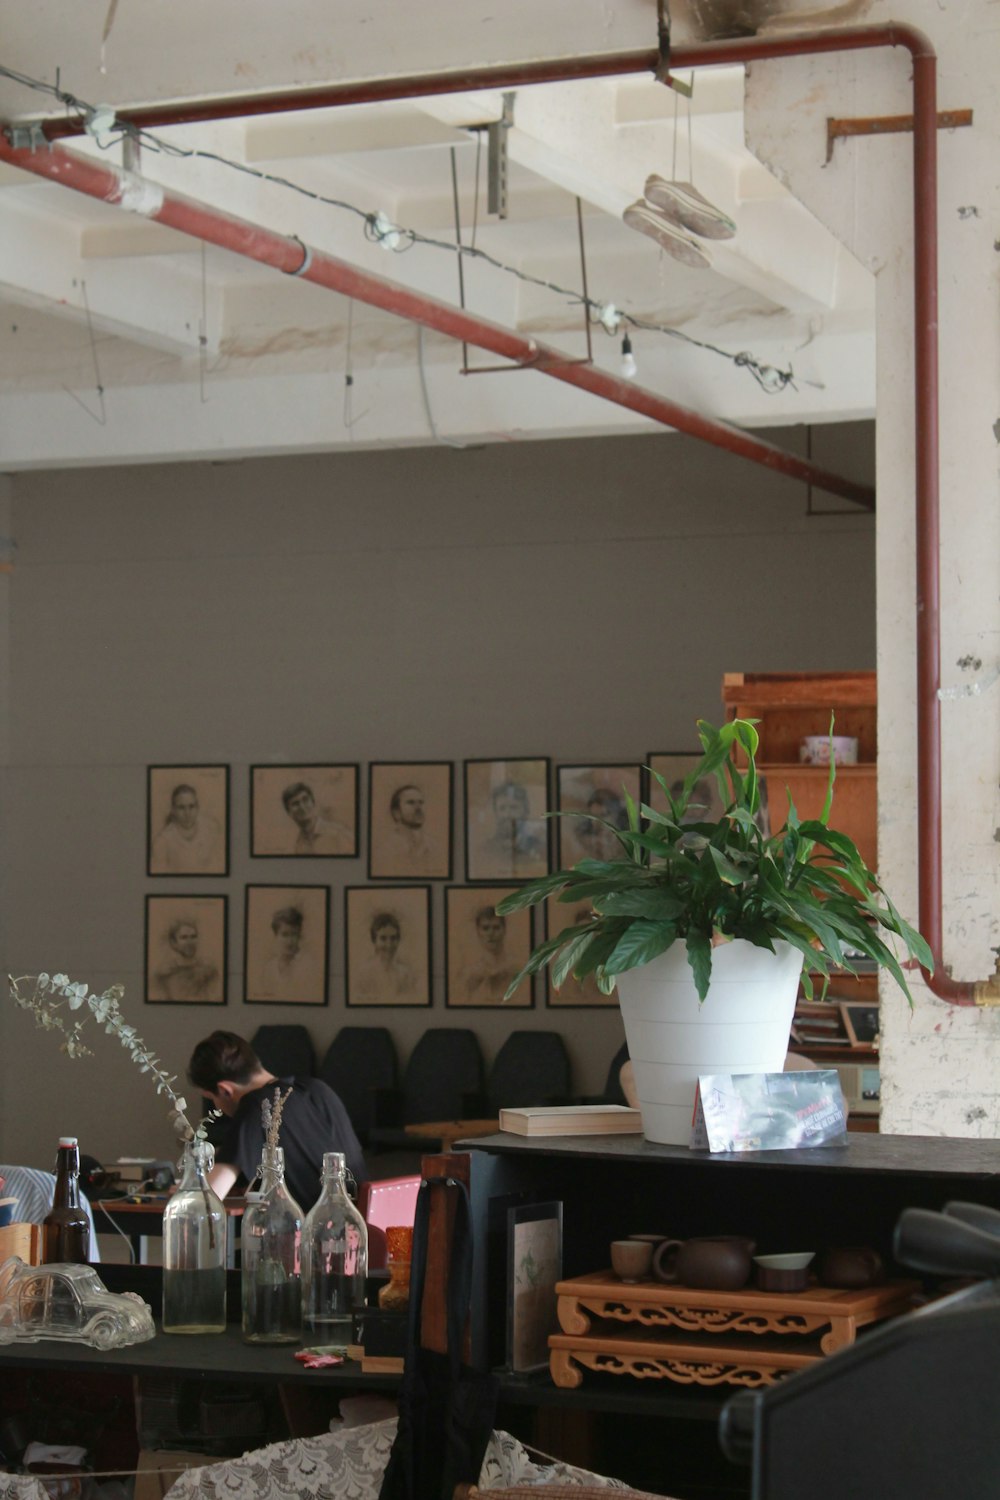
<point>313,1121</point>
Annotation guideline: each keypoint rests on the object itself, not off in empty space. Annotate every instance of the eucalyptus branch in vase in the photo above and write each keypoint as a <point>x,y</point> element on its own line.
<point>59,1004</point>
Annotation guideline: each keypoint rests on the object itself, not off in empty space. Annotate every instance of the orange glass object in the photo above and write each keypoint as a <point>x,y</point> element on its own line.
<point>395,1295</point>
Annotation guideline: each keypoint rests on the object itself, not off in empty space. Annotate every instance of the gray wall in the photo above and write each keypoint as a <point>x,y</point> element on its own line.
<point>578,599</point>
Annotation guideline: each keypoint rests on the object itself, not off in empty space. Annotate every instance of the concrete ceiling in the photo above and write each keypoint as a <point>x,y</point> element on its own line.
<point>199,352</point>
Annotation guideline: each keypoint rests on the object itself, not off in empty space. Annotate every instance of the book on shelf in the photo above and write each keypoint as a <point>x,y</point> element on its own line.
<point>572,1119</point>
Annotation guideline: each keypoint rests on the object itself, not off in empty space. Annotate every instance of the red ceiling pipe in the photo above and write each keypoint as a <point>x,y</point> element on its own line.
<point>109,183</point>
<point>743,50</point>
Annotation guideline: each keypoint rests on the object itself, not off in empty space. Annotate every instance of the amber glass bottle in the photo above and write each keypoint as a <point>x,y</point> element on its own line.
<point>66,1228</point>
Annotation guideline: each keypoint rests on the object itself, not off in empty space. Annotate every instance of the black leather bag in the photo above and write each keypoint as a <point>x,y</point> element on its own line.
<point>446,1409</point>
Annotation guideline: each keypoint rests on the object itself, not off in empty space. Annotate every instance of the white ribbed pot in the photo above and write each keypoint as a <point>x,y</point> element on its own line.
<point>741,1027</point>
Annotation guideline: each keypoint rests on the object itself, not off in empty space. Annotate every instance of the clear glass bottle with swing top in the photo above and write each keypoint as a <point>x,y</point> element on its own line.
<point>194,1249</point>
<point>271,1250</point>
<point>334,1260</point>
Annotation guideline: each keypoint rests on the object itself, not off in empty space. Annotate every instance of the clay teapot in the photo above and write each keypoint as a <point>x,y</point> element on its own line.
<point>718,1262</point>
<point>849,1267</point>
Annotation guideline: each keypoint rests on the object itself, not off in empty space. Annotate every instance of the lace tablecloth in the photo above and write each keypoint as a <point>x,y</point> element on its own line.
<point>348,1465</point>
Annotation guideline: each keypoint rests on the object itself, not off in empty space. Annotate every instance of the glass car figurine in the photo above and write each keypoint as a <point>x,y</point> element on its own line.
<point>68,1302</point>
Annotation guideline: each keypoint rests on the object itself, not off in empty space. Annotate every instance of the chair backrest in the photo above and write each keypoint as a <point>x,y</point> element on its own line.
<point>613,1091</point>
<point>444,1066</point>
<point>381,1204</point>
<point>359,1060</point>
<point>286,1051</point>
<point>532,1067</point>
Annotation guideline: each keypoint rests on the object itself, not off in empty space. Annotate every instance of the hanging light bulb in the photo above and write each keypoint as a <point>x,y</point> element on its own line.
<point>629,367</point>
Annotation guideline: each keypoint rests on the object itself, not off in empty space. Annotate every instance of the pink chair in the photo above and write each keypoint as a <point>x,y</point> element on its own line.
<point>391,1201</point>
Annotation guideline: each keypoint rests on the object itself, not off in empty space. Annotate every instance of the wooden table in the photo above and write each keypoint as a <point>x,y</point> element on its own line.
<point>450,1131</point>
<point>141,1217</point>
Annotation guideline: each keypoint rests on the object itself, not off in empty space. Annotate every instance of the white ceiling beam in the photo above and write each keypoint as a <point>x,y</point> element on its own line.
<point>337,132</point>
<point>41,263</point>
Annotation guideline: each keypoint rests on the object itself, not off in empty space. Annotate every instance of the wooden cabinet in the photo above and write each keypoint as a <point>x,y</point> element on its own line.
<point>790,705</point>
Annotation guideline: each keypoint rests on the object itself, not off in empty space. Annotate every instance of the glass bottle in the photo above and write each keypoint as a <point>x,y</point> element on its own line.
<point>271,1247</point>
<point>66,1228</point>
<point>334,1260</point>
<point>194,1249</point>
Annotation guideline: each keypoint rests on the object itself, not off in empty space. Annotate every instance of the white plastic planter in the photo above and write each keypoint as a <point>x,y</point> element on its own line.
<point>741,1027</point>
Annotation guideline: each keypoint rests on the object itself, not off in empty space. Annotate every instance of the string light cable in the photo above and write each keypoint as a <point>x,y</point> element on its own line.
<point>106,130</point>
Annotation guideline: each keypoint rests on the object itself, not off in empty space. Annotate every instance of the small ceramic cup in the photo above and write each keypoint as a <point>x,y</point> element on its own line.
<point>631,1259</point>
<point>784,1273</point>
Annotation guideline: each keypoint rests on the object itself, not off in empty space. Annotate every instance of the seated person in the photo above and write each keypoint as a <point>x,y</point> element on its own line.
<point>232,1077</point>
<point>33,1190</point>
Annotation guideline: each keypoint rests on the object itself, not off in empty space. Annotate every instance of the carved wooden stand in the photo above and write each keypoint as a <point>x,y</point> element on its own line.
<point>747,1338</point>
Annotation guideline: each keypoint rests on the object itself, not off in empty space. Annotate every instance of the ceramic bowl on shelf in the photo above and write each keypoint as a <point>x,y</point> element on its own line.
<point>788,1272</point>
<point>816,750</point>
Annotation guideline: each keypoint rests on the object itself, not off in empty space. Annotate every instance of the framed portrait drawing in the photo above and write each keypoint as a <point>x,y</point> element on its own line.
<point>185,950</point>
<point>484,951</point>
<point>409,820</point>
<point>304,812</point>
<point>388,941</point>
<point>507,831</point>
<point>706,805</point>
<point>187,820</point>
<point>674,766</point>
<point>286,940</point>
<point>596,797</point>
<point>572,992</point>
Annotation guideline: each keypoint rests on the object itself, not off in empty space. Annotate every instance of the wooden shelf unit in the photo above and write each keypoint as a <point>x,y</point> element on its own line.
<point>790,705</point>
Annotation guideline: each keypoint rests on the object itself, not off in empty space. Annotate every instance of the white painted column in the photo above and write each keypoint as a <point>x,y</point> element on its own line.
<point>939,1063</point>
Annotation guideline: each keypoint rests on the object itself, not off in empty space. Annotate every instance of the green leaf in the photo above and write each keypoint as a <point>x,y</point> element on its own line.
<point>642,941</point>
<point>658,904</point>
<point>574,949</point>
<point>699,956</point>
<point>533,892</point>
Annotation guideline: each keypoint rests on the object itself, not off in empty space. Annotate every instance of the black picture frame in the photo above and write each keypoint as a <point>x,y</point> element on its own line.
<point>402,979</point>
<point>596,787</point>
<point>861,1022</point>
<point>400,848</point>
<point>272,976</point>
<point>508,832</point>
<point>534,1267</point>
<point>479,963</point>
<point>187,821</point>
<point>305,810</point>
<point>185,949</point>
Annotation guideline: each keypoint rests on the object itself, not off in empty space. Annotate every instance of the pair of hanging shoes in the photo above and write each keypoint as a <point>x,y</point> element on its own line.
<point>652,221</point>
<point>683,205</point>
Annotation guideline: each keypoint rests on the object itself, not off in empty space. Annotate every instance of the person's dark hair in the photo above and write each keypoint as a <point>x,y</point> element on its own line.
<point>294,790</point>
<point>288,916</point>
<point>383,919</point>
<point>490,911</point>
<point>397,796</point>
<point>222,1056</point>
<point>173,798</point>
<point>511,789</point>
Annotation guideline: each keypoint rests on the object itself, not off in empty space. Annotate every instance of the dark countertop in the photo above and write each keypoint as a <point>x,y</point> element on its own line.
<point>880,1154</point>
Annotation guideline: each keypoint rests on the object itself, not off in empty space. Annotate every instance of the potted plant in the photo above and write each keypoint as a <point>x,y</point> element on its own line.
<point>704,928</point>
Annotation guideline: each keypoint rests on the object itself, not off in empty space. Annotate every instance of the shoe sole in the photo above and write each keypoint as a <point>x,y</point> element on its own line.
<point>683,205</point>
<point>649,221</point>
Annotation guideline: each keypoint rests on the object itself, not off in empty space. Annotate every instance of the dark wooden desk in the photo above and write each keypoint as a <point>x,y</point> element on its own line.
<point>141,1218</point>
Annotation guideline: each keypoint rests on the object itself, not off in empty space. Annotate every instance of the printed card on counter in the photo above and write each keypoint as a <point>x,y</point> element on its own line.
<point>769,1111</point>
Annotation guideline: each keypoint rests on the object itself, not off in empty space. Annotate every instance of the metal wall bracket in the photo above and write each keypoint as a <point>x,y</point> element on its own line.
<point>948,119</point>
<point>496,159</point>
<point>30,137</point>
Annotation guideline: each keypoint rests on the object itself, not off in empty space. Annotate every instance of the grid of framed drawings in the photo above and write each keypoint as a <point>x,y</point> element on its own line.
<point>517,819</point>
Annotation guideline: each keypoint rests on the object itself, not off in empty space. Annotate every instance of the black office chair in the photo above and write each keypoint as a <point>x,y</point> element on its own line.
<point>532,1067</point>
<point>285,1051</point>
<point>359,1060</point>
<point>444,1067</point>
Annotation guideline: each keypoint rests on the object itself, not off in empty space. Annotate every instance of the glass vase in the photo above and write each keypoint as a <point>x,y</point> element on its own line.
<point>334,1260</point>
<point>194,1249</point>
<point>395,1295</point>
<point>271,1248</point>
